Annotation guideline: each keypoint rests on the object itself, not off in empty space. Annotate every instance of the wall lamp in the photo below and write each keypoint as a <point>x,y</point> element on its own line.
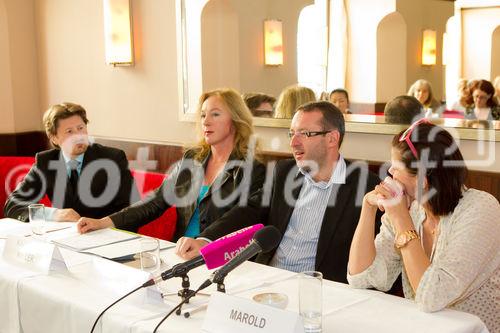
<point>429,47</point>
<point>273,42</point>
<point>118,33</point>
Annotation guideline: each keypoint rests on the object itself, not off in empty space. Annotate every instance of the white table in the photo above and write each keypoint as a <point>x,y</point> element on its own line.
<point>69,301</point>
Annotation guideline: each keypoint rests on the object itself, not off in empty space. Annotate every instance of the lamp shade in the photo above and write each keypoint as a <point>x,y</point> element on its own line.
<point>429,47</point>
<point>118,32</point>
<point>273,42</point>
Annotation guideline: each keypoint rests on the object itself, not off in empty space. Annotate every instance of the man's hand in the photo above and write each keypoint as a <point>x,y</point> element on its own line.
<point>188,248</point>
<point>86,224</point>
<point>66,215</point>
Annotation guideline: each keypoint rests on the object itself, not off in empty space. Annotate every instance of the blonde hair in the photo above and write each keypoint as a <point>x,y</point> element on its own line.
<point>57,112</point>
<point>431,102</point>
<point>241,118</point>
<point>291,98</point>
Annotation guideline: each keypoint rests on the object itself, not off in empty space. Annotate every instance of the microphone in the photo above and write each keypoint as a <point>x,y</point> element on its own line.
<point>264,240</point>
<point>214,254</point>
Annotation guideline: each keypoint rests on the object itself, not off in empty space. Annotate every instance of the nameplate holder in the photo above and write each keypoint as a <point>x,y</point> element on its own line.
<point>33,254</point>
<point>229,314</point>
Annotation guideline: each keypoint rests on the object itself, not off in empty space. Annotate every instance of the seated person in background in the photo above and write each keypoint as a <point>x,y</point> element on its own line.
<point>59,173</point>
<point>314,200</point>
<point>340,98</point>
<point>444,237</point>
<point>485,106</point>
<point>261,105</point>
<point>290,99</point>
<point>403,110</point>
<point>464,97</point>
<point>422,91</point>
<point>496,84</point>
<point>212,178</point>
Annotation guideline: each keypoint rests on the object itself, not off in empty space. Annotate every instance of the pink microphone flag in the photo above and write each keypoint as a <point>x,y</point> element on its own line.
<point>225,248</point>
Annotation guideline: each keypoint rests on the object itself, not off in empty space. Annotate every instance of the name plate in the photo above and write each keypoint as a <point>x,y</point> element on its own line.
<point>33,254</point>
<point>229,314</point>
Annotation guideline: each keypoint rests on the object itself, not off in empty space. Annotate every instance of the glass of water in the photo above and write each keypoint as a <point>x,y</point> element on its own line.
<point>150,254</point>
<point>310,300</point>
<point>37,218</point>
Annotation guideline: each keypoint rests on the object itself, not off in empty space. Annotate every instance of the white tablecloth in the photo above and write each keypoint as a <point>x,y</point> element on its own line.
<point>69,301</point>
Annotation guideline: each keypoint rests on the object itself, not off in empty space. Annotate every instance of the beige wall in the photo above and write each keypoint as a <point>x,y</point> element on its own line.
<point>19,102</point>
<point>136,103</point>
<point>477,52</point>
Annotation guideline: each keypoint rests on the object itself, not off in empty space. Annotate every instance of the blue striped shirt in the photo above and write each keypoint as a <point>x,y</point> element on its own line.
<point>297,250</point>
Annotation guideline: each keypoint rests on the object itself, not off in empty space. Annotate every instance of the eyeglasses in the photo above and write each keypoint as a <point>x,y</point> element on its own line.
<point>308,134</point>
<point>406,136</point>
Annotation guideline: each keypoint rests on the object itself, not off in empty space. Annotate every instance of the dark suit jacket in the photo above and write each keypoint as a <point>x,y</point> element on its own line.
<point>181,189</point>
<point>339,222</point>
<point>49,176</point>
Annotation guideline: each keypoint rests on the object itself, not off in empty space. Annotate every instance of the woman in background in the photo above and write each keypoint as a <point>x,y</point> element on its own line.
<point>290,99</point>
<point>201,183</point>
<point>485,105</point>
<point>442,236</point>
<point>422,91</point>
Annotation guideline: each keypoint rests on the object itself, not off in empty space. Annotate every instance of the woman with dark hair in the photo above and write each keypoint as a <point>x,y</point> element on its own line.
<point>485,105</point>
<point>442,236</point>
<point>211,178</point>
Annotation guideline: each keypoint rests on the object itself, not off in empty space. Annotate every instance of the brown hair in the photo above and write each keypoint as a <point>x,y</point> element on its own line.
<point>488,88</point>
<point>446,170</point>
<point>57,112</point>
<point>241,117</point>
<point>332,117</point>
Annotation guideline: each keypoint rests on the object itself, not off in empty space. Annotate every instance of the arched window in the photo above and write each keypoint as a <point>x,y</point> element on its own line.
<point>311,49</point>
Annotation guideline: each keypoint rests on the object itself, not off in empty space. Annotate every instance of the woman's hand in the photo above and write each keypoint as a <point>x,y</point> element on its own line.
<point>188,248</point>
<point>86,224</point>
<point>394,201</point>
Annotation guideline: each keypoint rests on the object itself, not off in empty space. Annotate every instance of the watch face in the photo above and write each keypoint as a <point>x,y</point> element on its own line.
<point>401,239</point>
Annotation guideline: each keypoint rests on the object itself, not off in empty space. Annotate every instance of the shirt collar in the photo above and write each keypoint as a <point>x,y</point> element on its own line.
<point>338,175</point>
<point>79,158</point>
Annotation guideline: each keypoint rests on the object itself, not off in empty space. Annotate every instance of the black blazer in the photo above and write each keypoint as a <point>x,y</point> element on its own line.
<point>339,222</point>
<point>238,181</point>
<point>49,176</point>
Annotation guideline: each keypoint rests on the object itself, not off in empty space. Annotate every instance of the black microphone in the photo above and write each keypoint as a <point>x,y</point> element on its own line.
<point>264,241</point>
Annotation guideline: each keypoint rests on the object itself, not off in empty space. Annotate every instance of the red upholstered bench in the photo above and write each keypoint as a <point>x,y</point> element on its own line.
<point>13,169</point>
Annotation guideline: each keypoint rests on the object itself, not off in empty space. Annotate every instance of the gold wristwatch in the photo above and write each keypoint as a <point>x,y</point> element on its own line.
<point>404,238</point>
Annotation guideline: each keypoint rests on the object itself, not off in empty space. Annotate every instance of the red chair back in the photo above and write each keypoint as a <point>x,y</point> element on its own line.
<point>164,226</point>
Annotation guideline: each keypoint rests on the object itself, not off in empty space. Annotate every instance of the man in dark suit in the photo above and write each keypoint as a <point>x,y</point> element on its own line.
<point>79,178</point>
<point>315,200</point>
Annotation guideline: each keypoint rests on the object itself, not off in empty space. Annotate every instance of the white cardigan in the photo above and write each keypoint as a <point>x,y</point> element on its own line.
<point>465,262</point>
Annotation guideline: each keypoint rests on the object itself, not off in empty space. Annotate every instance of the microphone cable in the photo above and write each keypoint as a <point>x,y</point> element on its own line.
<point>102,313</point>
<point>203,286</point>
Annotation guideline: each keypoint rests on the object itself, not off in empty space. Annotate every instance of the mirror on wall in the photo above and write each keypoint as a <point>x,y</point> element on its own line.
<point>374,51</point>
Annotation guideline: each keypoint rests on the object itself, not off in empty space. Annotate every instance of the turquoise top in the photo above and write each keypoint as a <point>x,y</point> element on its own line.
<point>193,228</point>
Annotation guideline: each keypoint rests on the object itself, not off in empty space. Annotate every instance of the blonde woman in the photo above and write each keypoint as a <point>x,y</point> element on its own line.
<point>201,185</point>
<point>422,91</point>
<point>290,99</point>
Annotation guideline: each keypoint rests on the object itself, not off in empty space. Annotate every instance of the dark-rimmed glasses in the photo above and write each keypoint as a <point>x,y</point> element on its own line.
<point>306,134</point>
<point>406,136</point>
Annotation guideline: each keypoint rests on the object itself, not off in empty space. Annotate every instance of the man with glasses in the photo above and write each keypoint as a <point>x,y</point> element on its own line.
<point>79,178</point>
<point>315,199</point>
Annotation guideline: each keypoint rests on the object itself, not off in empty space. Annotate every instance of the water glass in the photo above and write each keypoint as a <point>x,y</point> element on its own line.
<point>37,218</point>
<point>310,301</point>
<point>150,254</point>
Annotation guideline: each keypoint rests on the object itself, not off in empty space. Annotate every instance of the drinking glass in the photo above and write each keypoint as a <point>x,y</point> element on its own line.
<point>310,301</point>
<point>150,254</point>
<point>37,218</point>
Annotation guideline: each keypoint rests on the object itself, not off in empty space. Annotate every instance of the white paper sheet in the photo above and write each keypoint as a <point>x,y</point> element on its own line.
<point>81,242</point>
